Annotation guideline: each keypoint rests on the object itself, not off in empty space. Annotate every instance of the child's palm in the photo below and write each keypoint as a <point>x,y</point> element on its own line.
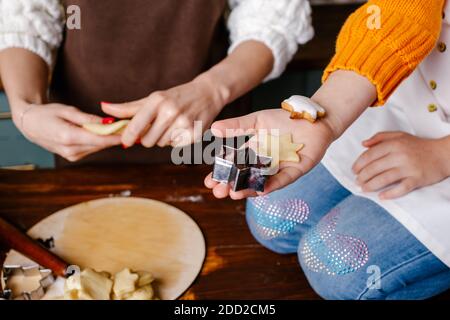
<point>316,138</point>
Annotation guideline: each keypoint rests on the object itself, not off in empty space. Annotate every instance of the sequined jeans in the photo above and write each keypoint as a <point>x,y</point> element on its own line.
<point>348,246</point>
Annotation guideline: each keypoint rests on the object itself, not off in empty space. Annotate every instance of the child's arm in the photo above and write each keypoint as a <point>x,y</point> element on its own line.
<point>402,161</point>
<point>387,53</point>
<point>344,107</point>
<point>377,60</point>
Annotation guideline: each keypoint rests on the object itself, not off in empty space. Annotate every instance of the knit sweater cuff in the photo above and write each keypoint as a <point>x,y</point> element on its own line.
<point>277,43</point>
<point>29,42</point>
<point>384,56</point>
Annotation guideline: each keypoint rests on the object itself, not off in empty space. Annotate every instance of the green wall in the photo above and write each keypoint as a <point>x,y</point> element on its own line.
<point>271,94</point>
<point>15,149</point>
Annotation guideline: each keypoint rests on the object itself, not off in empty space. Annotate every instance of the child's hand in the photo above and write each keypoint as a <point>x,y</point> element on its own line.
<point>398,158</point>
<point>316,137</point>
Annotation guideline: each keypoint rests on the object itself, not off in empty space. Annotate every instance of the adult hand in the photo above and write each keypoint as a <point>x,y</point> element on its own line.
<point>57,128</point>
<point>167,117</point>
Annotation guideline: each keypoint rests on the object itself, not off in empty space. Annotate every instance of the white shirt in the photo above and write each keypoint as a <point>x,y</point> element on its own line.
<point>37,25</point>
<point>411,109</point>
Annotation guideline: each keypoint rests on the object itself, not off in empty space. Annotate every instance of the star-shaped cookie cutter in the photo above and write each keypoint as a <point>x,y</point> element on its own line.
<point>46,280</point>
<point>242,168</point>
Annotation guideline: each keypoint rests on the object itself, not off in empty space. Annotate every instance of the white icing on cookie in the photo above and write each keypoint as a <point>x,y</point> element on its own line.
<point>302,104</point>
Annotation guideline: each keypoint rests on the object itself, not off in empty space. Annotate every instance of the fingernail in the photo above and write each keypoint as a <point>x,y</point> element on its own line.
<point>108,120</point>
<point>124,146</point>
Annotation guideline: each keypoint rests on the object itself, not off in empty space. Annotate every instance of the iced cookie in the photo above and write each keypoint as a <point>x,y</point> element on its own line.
<point>303,108</point>
<point>107,129</point>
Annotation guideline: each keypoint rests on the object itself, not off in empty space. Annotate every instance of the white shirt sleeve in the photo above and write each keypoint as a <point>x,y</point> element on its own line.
<point>280,24</point>
<point>35,25</point>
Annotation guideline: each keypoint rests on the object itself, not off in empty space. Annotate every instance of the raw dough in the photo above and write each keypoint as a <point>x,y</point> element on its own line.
<point>107,129</point>
<point>303,108</point>
<point>145,278</point>
<point>279,148</point>
<point>89,285</point>
<point>125,285</point>
<point>143,293</point>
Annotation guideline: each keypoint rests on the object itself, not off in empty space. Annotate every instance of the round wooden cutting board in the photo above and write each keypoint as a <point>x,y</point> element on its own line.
<point>116,233</point>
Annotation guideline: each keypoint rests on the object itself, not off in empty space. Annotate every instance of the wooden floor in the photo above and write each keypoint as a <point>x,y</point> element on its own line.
<point>236,266</point>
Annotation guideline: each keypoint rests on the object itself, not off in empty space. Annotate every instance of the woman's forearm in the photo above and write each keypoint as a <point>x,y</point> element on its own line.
<point>25,78</point>
<point>244,69</point>
<point>345,95</point>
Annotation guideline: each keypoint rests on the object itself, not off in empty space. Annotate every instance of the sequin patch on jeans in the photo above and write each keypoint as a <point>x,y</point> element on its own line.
<point>326,251</point>
<point>277,217</point>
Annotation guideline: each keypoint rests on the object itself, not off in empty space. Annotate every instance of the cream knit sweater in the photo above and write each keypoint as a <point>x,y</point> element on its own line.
<point>38,25</point>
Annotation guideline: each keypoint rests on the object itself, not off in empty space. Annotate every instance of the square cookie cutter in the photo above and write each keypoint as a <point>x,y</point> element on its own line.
<point>9,271</point>
<point>241,168</point>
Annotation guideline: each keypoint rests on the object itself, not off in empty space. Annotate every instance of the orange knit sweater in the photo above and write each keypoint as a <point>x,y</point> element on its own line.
<point>408,32</point>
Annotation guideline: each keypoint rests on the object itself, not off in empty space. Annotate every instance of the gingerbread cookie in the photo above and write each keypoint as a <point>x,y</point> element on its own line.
<point>107,129</point>
<point>303,108</point>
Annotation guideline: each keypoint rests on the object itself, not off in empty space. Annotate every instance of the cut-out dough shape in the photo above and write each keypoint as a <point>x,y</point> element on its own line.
<point>125,285</point>
<point>279,148</point>
<point>107,129</point>
<point>303,108</point>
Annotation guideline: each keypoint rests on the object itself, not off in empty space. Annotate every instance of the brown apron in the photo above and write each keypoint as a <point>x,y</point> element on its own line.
<point>126,49</point>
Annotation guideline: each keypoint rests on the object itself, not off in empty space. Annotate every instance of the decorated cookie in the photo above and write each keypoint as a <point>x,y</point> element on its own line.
<point>303,108</point>
<point>106,129</point>
<point>279,148</point>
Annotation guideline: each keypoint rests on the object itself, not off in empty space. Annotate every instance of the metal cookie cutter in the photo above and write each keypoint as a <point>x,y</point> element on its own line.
<point>10,271</point>
<point>242,169</point>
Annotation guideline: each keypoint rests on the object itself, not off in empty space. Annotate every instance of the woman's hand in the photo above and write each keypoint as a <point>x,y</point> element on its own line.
<point>316,137</point>
<point>168,117</point>
<point>57,128</point>
<point>402,162</point>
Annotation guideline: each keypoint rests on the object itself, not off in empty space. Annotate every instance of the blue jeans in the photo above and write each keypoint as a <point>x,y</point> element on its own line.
<point>348,246</point>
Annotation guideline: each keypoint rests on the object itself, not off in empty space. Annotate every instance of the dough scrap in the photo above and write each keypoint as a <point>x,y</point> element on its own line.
<point>125,285</point>
<point>88,285</point>
<point>143,293</point>
<point>145,278</point>
<point>107,129</point>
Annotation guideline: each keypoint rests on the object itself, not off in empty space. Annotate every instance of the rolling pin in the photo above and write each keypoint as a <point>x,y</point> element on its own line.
<point>15,239</point>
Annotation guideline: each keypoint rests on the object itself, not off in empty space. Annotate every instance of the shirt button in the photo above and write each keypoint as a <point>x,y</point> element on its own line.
<point>433,85</point>
<point>442,47</point>
<point>432,108</point>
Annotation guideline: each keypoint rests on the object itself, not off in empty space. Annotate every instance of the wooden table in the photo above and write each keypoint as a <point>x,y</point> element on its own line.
<point>236,266</point>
